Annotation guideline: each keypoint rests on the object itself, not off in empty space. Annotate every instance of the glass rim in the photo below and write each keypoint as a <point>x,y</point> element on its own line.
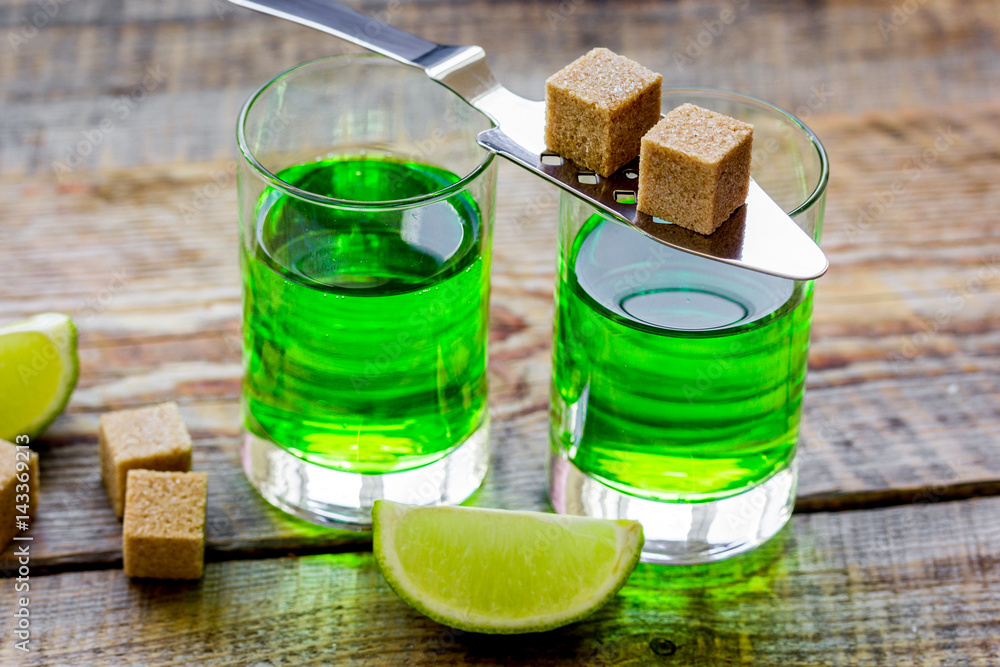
<point>824,176</point>
<point>410,202</point>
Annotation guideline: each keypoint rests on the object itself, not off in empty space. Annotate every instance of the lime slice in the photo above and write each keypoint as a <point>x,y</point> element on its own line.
<point>38,370</point>
<point>502,572</point>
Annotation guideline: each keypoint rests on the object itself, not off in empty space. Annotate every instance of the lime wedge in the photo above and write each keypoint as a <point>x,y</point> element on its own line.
<point>38,370</point>
<point>502,572</point>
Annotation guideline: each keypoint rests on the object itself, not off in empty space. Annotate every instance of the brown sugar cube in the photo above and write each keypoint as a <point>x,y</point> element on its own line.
<point>152,438</point>
<point>598,107</point>
<point>18,488</point>
<point>164,532</point>
<point>694,168</point>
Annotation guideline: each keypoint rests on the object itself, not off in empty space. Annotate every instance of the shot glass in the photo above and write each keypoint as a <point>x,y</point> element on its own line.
<point>366,220</point>
<point>678,381</point>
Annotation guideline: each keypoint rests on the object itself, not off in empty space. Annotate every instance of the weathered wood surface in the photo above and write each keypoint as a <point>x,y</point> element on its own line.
<point>905,373</point>
<point>913,586</point>
<point>136,239</point>
<point>836,57</point>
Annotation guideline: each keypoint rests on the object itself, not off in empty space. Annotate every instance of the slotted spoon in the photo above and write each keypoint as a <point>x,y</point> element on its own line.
<point>760,235</point>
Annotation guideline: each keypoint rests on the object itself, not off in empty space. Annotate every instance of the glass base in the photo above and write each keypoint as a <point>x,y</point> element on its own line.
<point>343,499</point>
<point>681,533</point>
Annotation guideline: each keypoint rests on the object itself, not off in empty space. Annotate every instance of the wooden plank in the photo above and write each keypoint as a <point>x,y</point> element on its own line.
<point>912,586</point>
<point>904,374</point>
<point>78,69</point>
<point>899,402</point>
<point>867,457</point>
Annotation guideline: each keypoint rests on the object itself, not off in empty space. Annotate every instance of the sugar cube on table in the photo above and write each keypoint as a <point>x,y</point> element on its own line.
<point>151,438</point>
<point>18,488</point>
<point>164,531</point>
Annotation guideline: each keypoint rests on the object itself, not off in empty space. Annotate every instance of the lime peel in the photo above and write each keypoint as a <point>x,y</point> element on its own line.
<point>502,572</point>
<point>38,371</point>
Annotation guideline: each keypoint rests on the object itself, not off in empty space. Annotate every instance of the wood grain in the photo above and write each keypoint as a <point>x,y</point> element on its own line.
<point>904,377</point>
<point>813,58</point>
<point>136,239</point>
<point>912,586</point>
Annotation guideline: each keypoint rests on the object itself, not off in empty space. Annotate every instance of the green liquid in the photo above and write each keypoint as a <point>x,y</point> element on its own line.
<point>674,377</point>
<point>365,330</point>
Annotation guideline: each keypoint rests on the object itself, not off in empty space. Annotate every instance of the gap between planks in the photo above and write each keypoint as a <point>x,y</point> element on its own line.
<point>826,504</point>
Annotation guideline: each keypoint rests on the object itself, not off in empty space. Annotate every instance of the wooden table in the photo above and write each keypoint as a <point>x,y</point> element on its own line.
<point>117,158</point>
